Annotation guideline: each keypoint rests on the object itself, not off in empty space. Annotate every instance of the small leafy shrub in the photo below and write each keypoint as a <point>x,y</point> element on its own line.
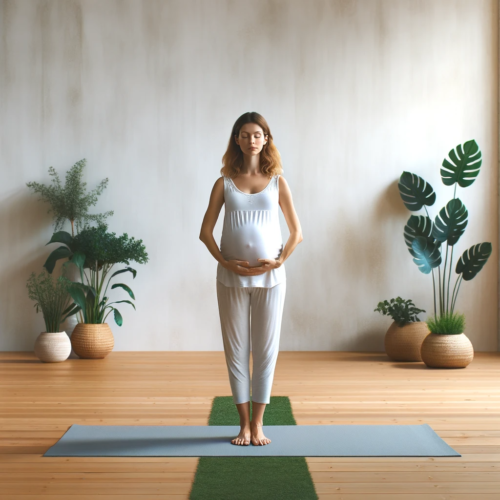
<point>96,250</point>
<point>401,311</point>
<point>451,323</point>
<point>52,298</point>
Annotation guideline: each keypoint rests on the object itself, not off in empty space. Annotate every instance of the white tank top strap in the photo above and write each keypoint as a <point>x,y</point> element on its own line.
<point>229,184</point>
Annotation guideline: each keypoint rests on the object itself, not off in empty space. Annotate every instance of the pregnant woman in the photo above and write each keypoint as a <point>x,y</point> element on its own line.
<point>251,280</point>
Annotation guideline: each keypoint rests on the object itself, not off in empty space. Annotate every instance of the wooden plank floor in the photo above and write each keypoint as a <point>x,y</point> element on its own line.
<point>40,401</point>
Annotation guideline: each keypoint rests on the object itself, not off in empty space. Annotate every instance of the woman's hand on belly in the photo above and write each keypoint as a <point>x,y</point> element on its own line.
<point>237,266</point>
<point>268,264</point>
<point>243,268</point>
<point>265,266</point>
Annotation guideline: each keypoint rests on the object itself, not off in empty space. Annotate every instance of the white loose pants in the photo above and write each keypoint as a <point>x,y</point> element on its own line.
<point>251,313</point>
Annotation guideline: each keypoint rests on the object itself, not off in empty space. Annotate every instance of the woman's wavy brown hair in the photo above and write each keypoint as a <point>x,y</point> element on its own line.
<point>270,158</point>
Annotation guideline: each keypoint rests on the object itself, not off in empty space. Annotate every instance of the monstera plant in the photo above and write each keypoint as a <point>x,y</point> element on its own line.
<point>428,239</point>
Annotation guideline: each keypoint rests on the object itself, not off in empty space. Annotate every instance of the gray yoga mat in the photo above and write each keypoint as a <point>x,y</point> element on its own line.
<point>215,441</point>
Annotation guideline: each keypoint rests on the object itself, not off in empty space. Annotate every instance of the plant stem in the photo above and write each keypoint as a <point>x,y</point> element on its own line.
<point>449,277</point>
<point>105,269</point>
<point>96,301</point>
<point>434,291</point>
<point>444,274</point>
<point>439,287</point>
<point>456,295</point>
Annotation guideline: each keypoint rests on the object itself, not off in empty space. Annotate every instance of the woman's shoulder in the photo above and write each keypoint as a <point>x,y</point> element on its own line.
<point>224,183</point>
<point>219,184</point>
<point>282,184</point>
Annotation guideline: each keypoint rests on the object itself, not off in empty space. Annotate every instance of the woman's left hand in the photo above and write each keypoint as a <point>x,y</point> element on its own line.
<point>270,263</point>
<point>267,265</point>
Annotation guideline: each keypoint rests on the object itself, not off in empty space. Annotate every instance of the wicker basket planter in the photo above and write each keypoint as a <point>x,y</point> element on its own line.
<point>52,347</point>
<point>447,351</point>
<point>403,343</point>
<point>92,341</point>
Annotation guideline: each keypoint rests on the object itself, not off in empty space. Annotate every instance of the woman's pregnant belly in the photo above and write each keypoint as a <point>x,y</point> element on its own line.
<point>251,242</point>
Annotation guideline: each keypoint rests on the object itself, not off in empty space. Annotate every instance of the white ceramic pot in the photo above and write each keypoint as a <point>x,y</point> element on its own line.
<point>52,347</point>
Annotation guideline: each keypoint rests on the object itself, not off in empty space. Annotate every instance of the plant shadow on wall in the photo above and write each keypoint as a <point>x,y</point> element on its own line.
<point>446,346</point>
<point>91,252</point>
<point>365,253</point>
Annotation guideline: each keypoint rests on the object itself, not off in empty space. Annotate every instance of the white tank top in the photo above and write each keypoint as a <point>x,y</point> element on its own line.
<point>251,231</point>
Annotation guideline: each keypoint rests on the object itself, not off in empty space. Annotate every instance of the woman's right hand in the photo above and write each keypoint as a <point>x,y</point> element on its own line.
<point>242,267</point>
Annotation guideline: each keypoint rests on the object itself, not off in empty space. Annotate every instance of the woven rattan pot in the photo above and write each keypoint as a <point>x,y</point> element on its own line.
<point>447,351</point>
<point>403,343</point>
<point>92,341</point>
<point>52,347</point>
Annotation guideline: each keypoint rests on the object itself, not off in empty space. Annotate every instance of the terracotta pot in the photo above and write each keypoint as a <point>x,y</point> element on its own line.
<point>402,343</point>
<point>91,341</point>
<point>447,351</point>
<point>52,347</point>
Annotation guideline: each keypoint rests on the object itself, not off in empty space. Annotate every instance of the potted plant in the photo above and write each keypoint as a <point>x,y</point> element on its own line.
<point>404,337</point>
<point>96,250</point>
<point>447,347</point>
<point>444,346</point>
<point>55,302</point>
<point>71,201</point>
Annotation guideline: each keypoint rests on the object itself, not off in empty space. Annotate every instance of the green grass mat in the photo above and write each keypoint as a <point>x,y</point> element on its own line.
<point>252,478</point>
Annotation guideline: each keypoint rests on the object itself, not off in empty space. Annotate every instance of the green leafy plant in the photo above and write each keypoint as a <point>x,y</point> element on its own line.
<point>424,237</point>
<point>52,298</point>
<point>96,250</point>
<point>447,324</point>
<point>71,201</point>
<point>401,311</point>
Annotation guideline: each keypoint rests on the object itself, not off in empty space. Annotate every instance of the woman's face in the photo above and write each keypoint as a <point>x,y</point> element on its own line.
<point>251,139</point>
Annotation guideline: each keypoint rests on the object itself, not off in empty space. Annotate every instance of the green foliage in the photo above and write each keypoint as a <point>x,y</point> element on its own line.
<point>401,311</point>
<point>102,247</point>
<point>473,260</point>
<point>451,222</point>
<point>71,201</point>
<point>93,250</point>
<point>448,323</point>
<point>427,255</point>
<point>464,164</point>
<point>415,192</point>
<point>424,238</point>
<point>52,298</point>
<point>96,250</point>
<point>417,225</point>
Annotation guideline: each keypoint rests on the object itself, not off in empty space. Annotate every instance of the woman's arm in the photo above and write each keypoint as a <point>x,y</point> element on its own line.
<point>210,219</point>
<point>207,227</point>
<point>292,220</point>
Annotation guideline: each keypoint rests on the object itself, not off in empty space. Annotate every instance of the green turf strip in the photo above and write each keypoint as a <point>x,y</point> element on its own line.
<point>252,478</point>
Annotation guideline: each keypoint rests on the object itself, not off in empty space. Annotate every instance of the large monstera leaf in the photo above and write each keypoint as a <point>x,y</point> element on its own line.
<point>417,225</point>
<point>451,222</point>
<point>415,192</point>
<point>428,254</point>
<point>473,260</point>
<point>466,162</point>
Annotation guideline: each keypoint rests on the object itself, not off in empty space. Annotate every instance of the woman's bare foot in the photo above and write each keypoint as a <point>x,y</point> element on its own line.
<point>258,438</point>
<point>243,438</point>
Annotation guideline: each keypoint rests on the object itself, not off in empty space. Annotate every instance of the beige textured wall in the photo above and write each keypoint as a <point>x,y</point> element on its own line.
<point>355,92</point>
